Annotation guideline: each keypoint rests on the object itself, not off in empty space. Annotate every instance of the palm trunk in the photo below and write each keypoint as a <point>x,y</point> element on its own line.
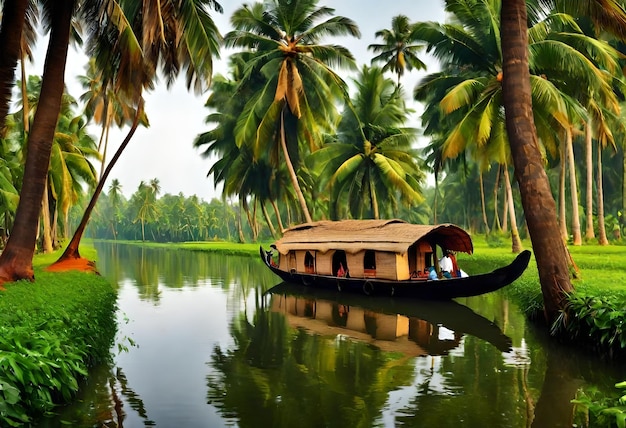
<point>576,235</point>
<point>71,252</point>
<point>589,232</point>
<point>516,244</point>
<point>483,204</point>
<point>602,240</point>
<point>13,16</point>
<point>16,262</point>
<point>269,221</point>
<point>292,171</point>
<point>277,212</point>
<point>537,199</point>
<point>45,218</point>
<point>562,208</point>
<point>374,200</point>
<point>496,214</point>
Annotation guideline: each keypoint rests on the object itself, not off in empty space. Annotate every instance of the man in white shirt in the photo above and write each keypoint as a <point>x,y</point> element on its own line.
<point>446,265</point>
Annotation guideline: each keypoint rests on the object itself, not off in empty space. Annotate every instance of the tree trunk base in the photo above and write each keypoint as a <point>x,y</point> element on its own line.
<point>10,273</point>
<point>77,264</point>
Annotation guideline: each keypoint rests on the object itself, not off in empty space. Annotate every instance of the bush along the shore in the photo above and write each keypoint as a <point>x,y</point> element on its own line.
<point>594,322</point>
<point>51,332</point>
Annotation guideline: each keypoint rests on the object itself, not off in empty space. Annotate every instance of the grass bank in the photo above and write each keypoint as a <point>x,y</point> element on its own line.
<point>51,331</point>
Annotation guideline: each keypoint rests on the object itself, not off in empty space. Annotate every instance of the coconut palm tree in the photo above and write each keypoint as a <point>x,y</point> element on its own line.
<point>399,49</point>
<point>470,83</point>
<point>372,164</point>
<point>16,259</point>
<point>297,103</point>
<point>174,36</point>
<point>539,206</point>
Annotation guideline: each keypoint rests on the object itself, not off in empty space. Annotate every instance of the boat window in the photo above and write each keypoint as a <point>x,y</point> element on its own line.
<point>369,260</point>
<point>340,263</point>
<point>309,262</point>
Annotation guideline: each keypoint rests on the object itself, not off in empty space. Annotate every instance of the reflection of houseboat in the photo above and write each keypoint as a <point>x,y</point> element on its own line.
<point>381,257</point>
<point>429,328</point>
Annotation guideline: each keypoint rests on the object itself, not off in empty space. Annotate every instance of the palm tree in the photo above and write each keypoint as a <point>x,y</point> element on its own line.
<point>372,163</point>
<point>16,259</point>
<point>104,106</point>
<point>469,92</point>
<point>115,196</point>
<point>537,200</point>
<point>174,36</point>
<point>399,48</point>
<point>297,102</point>
<point>144,202</point>
<point>539,206</point>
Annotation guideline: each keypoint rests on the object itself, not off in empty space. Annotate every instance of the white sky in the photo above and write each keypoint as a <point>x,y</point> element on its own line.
<point>165,149</point>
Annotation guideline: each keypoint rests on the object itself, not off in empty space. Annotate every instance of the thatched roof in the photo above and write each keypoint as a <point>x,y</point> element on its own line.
<point>353,236</point>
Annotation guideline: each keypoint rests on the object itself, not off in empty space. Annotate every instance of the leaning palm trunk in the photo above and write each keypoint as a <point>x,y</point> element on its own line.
<point>71,252</point>
<point>292,171</point>
<point>16,261</point>
<point>277,213</point>
<point>602,240</point>
<point>576,235</point>
<point>537,200</point>
<point>589,232</point>
<point>268,220</point>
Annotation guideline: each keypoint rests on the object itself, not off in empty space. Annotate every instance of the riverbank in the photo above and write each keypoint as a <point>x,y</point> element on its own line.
<point>51,332</point>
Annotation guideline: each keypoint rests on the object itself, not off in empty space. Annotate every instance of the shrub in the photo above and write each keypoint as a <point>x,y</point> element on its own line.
<point>51,331</point>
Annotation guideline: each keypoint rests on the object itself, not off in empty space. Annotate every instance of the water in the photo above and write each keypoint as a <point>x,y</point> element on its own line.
<point>201,344</point>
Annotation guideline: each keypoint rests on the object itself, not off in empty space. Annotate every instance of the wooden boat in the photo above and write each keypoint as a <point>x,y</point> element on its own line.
<point>381,257</point>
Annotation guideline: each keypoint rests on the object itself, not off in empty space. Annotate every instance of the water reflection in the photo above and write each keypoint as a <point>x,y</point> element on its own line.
<point>413,327</point>
<point>218,345</point>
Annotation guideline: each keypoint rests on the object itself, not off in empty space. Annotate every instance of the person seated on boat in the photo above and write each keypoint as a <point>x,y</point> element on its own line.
<point>342,272</point>
<point>432,273</point>
<point>446,265</point>
<point>456,272</point>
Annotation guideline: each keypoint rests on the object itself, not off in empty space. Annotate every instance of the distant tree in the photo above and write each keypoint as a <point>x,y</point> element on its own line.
<point>399,49</point>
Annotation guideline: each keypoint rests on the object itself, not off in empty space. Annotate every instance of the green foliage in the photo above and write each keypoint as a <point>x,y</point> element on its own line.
<point>51,331</point>
<point>598,321</point>
<point>597,410</point>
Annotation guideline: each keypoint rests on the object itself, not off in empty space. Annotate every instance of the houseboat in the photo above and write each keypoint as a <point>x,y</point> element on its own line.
<point>390,257</point>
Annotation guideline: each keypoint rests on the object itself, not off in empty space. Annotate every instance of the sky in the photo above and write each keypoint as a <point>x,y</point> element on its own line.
<point>165,149</point>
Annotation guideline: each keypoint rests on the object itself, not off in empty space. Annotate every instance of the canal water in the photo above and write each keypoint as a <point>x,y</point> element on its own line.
<point>207,340</point>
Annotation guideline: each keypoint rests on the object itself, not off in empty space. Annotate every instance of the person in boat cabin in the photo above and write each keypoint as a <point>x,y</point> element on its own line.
<point>342,272</point>
<point>445,263</point>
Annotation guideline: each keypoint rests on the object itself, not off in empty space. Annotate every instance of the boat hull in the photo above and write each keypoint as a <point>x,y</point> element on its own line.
<point>443,289</point>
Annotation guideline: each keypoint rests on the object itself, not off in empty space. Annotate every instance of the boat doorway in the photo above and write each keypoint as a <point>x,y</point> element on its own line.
<point>309,262</point>
<point>340,263</point>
